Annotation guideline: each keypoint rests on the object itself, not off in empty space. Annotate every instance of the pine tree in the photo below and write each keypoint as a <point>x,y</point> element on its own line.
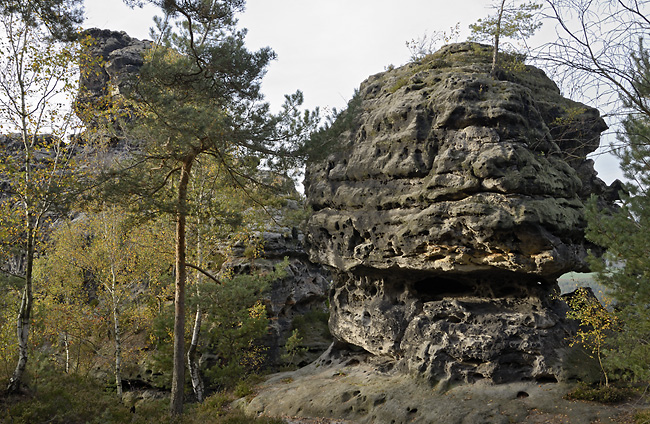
<point>60,17</point>
<point>197,98</point>
<point>625,268</point>
<point>510,21</point>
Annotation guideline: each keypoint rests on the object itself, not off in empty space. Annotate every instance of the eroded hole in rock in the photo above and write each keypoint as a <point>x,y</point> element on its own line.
<point>521,395</point>
<point>546,379</point>
<point>366,318</point>
<point>438,288</point>
<point>380,399</point>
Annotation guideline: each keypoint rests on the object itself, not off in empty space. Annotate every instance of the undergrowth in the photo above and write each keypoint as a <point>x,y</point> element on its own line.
<point>642,417</point>
<point>58,398</point>
<point>601,394</point>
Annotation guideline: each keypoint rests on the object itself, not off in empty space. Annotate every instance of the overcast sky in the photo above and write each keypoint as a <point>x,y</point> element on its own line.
<point>327,48</point>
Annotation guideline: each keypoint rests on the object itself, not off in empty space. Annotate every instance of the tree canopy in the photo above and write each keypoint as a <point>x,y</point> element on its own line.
<point>197,99</point>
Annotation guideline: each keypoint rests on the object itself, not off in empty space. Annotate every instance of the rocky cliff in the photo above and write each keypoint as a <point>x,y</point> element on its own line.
<point>297,301</point>
<point>451,205</point>
<point>112,58</point>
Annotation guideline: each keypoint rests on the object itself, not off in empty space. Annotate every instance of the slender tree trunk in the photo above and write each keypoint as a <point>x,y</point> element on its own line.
<point>31,228</point>
<point>178,374</point>
<point>600,362</point>
<point>24,313</point>
<point>192,360</point>
<point>109,234</point>
<point>66,345</point>
<point>495,52</point>
<point>118,344</point>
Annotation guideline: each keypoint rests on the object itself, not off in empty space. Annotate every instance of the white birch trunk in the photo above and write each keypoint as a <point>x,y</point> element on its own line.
<point>192,360</point>
<point>116,325</point>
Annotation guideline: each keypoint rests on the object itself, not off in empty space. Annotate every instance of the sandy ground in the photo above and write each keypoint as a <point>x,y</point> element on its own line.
<point>359,394</point>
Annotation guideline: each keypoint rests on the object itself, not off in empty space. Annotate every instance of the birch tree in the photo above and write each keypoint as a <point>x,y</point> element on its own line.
<point>36,81</point>
<point>103,249</point>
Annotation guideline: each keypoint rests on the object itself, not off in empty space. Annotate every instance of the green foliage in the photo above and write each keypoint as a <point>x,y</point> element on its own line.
<point>235,320</point>
<point>60,17</point>
<point>292,347</point>
<point>311,319</point>
<point>199,90</point>
<point>600,394</point>
<point>96,269</point>
<point>509,21</point>
<point>596,324</point>
<point>242,389</point>
<point>161,339</point>
<point>625,267</point>
<point>60,398</point>
<point>9,300</point>
<point>328,138</point>
<point>642,417</point>
<point>517,22</point>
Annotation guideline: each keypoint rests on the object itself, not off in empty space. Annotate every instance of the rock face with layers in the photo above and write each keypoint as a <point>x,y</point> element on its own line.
<point>453,203</point>
<point>295,302</point>
<point>112,58</point>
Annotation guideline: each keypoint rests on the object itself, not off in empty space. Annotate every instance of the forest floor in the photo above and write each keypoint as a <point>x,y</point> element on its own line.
<point>356,393</point>
<point>623,413</point>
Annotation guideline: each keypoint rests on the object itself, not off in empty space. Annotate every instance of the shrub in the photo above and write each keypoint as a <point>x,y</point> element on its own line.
<point>600,394</point>
<point>642,417</point>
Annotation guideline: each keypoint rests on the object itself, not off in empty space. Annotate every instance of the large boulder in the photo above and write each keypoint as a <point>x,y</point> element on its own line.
<point>452,203</point>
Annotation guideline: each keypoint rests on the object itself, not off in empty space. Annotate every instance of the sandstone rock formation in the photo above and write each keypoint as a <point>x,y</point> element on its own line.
<point>111,59</point>
<point>297,301</point>
<point>450,207</point>
<point>111,62</point>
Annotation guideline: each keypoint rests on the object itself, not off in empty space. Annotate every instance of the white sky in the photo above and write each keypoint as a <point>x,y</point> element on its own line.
<point>327,48</point>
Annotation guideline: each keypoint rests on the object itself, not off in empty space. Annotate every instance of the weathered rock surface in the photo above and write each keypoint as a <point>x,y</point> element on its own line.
<point>112,58</point>
<point>360,389</point>
<point>297,301</point>
<point>453,203</point>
